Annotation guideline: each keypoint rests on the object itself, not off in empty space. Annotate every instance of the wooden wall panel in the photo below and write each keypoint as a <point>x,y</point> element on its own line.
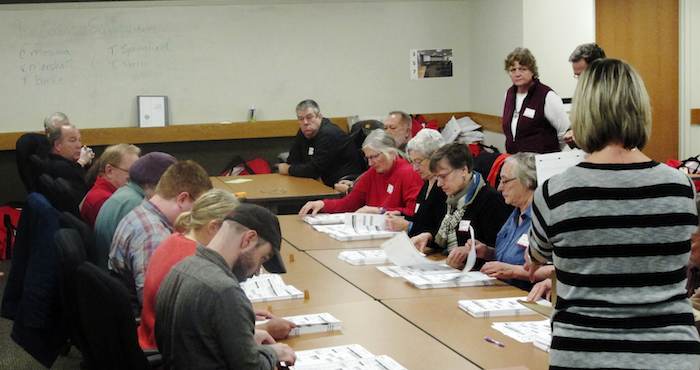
<point>645,34</point>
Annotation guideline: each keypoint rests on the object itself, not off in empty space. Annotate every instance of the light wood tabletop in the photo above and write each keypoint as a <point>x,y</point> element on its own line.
<point>323,286</point>
<point>382,332</point>
<point>380,286</point>
<point>303,236</point>
<point>273,187</point>
<point>440,316</point>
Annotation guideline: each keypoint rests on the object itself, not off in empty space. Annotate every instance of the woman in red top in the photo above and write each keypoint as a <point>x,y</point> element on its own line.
<point>390,184</point>
<point>197,226</point>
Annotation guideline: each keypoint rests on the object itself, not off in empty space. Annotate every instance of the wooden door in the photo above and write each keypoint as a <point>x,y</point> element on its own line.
<point>645,34</point>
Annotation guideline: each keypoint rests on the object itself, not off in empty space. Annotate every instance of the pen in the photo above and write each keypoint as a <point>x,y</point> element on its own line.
<point>493,341</point>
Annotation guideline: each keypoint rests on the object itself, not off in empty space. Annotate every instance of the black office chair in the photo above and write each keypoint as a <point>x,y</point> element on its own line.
<point>107,320</point>
<point>27,145</point>
<point>68,220</point>
<point>59,193</point>
<point>71,254</point>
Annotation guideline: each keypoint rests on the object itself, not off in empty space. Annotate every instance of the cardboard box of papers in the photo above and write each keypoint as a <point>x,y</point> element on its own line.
<point>497,307</point>
<point>269,287</point>
<point>363,257</point>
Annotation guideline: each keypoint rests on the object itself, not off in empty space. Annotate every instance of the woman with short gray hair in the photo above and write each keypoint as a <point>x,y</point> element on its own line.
<point>390,184</point>
<point>430,204</point>
<point>507,258</point>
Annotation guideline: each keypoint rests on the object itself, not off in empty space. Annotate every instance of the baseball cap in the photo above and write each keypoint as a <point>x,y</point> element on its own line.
<point>267,225</point>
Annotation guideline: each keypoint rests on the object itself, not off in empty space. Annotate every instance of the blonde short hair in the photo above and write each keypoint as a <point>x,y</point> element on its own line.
<point>213,205</point>
<point>525,58</point>
<point>610,106</point>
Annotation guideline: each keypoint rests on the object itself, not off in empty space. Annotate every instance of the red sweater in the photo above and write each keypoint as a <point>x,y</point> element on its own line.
<point>395,190</point>
<point>94,199</point>
<point>171,251</point>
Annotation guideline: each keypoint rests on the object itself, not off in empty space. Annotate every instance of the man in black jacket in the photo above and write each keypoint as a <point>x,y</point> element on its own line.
<point>320,148</point>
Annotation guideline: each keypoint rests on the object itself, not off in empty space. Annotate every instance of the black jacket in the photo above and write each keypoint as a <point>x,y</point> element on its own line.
<point>430,211</point>
<point>31,296</point>
<point>329,155</point>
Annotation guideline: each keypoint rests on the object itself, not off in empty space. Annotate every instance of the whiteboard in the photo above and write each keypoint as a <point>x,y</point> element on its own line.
<point>213,60</point>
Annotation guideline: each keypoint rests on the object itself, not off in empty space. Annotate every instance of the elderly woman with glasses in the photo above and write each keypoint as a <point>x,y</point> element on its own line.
<point>518,184</point>
<point>390,184</point>
<point>470,201</point>
<point>430,205</point>
<point>617,227</point>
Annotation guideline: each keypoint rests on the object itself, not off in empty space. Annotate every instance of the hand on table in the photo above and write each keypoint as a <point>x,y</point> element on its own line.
<point>421,241</point>
<point>541,289</point>
<point>499,270</point>
<point>311,207</point>
<point>278,328</point>
<point>396,222</point>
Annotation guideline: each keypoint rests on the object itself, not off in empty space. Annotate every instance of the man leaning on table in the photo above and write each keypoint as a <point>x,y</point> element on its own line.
<point>320,148</point>
<point>203,318</point>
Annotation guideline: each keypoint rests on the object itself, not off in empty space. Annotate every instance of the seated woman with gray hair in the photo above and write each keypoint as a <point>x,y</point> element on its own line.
<point>507,256</point>
<point>430,204</point>
<point>390,184</point>
<point>470,201</point>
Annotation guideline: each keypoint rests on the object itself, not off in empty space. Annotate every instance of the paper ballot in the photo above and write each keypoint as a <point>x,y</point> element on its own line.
<point>524,331</point>
<point>352,356</point>
<point>312,323</point>
<point>325,219</point>
<point>548,165</point>
<point>269,287</point>
<point>363,257</point>
<point>401,252</point>
<point>497,307</point>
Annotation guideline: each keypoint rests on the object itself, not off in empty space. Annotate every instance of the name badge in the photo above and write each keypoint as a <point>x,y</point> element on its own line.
<point>464,225</point>
<point>311,150</point>
<point>529,113</point>
<point>417,206</point>
<point>523,241</point>
<point>390,188</point>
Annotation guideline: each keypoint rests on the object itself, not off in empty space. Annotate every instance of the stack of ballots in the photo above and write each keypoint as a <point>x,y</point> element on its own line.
<point>269,287</point>
<point>423,273</point>
<point>463,130</point>
<point>352,356</point>
<point>352,226</point>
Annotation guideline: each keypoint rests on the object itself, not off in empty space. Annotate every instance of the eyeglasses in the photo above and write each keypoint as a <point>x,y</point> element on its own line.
<point>372,157</point>
<point>444,176</point>
<point>418,162</point>
<point>307,117</point>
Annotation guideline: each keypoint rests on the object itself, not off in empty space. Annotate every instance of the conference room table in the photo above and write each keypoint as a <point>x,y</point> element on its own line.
<point>419,328</point>
<point>274,190</point>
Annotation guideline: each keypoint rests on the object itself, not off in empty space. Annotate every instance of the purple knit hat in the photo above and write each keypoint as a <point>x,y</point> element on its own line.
<point>148,169</point>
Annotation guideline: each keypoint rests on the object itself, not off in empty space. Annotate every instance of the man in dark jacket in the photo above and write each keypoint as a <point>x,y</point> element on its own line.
<point>320,148</point>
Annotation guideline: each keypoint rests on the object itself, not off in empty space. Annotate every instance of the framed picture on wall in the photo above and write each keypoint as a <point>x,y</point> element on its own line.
<point>152,110</point>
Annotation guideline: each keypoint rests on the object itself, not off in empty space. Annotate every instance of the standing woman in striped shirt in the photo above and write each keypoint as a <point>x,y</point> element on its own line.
<point>617,228</point>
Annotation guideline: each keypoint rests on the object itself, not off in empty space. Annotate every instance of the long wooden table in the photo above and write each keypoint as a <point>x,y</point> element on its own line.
<point>382,332</point>
<point>323,286</point>
<point>380,286</point>
<point>440,316</point>
<point>274,189</point>
<point>303,236</point>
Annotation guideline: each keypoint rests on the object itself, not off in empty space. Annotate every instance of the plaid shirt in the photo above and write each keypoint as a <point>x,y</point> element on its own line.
<point>136,238</point>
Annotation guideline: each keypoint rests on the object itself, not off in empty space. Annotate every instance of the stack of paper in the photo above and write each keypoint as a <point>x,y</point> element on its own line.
<point>497,307</point>
<point>325,219</point>
<point>353,226</point>
<point>344,232</point>
<point>463,130</point>
<point>524,331</point>
<point>309,324</point>
<point>424,273</point>
<point>363,257</point>
<point>352,356</point>
<point>543,341</point>
<point>450,280</point>
<point>269,287</point>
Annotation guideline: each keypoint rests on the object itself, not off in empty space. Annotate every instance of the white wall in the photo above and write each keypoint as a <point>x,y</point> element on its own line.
<point>551,30</point>
<point>689,76</point>
<point>213,59</point>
